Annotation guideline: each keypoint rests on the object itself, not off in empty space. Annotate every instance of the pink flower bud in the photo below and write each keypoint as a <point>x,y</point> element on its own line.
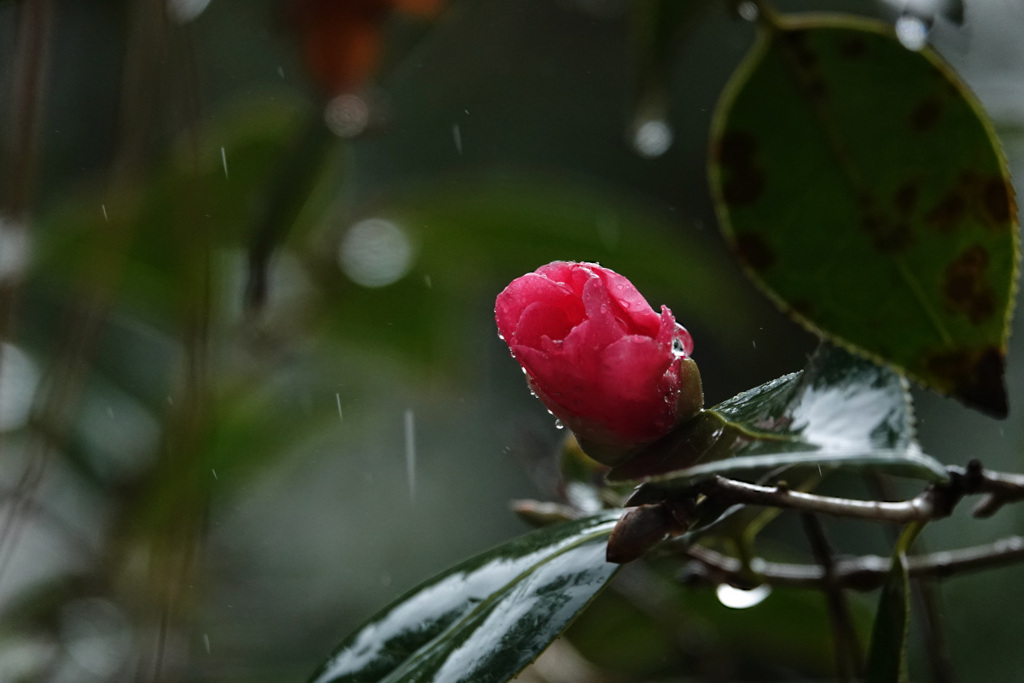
<point>599,357</point>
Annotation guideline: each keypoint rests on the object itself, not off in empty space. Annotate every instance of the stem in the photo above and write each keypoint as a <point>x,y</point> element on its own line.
<point>847,648</point>
<point>922,507</point>
<point>863,573</point>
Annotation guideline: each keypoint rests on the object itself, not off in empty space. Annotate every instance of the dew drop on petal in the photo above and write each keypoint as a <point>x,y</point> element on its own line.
<point>737,598</point>
<point>559,424</point>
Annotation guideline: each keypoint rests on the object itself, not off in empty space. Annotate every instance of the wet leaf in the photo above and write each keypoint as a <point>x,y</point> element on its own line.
<point>862,187</point>
<point>841,411</point>
<point>887,659</point>
<point>486,619</point>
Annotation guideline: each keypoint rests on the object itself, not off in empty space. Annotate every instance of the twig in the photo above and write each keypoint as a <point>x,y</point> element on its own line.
<point>998,488</point>
<point>847,647</point>
<point>935,502</point>
<point>922,507</point>
<point>863,573</point>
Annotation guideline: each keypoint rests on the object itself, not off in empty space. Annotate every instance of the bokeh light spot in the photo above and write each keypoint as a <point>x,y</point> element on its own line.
<point>375,253</point>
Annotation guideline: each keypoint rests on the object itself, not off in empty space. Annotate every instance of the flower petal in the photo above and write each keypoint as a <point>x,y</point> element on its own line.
<point>631,306</point>
<point>633,367</point>
<point>539,320</point>
<point>531,288</point>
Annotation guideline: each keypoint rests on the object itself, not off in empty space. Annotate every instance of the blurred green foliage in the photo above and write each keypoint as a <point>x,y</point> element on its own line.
<point>207,491</point>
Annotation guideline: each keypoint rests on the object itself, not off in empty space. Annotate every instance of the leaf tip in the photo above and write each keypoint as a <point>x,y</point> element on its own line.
<point>976,378</point>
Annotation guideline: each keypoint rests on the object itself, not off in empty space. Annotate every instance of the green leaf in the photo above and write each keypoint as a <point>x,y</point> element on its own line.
<point>841,411</point>
<point>486,619</point>
<point>862,187</point>
<point>887,659</point>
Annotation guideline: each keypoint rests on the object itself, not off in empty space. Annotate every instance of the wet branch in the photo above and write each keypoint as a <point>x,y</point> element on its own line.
<point>937,501</point>
<point>863,573</point>
<point>860,573</point>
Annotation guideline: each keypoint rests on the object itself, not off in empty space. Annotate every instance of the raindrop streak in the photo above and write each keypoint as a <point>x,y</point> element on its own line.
<point>457,136</point>
<point>206,642</point>
<point>912,32</point>
<point>105,217</point>
<point>224,160</point>
<point>737,598</point>
<point>337,397</point>
<point>410,453</point>
<point>653,138</point>
<point>216,478</point>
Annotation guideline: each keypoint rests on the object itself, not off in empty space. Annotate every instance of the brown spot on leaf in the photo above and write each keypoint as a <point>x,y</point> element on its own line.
<point>744,187</point>
<point>973,376</point>
<point>744,180</point>
<point>926,114</point>
<point>806,59</point>
<point>754,251</point>
<point>947,214</point>
<point>905,198</point>
<point>736,148</point>
<point>996,198</point>
<point>965,288</point>
<point>816,88</point>
<point>887,236</point>
<point>797,38</point>
<point>853,47</point>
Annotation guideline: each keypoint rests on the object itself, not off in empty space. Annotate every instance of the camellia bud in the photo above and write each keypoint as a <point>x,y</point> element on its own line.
<point>607,365</point>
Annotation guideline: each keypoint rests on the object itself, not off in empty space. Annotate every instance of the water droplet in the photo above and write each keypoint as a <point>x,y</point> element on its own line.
<point>375,252</point>
<point>347,115</point>
<point>652,138</point>
<point>559,424</point>
<point>748,11</point>
<point>912,32</point>
<point>737,598</point>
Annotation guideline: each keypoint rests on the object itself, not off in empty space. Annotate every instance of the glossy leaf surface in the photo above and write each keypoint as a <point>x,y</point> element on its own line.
<point>486,619</point>
<point>841,411</point>
<point>891,228</point>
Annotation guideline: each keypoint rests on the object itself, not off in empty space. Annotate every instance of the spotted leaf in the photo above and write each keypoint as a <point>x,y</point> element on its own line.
<point>861,186</point>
